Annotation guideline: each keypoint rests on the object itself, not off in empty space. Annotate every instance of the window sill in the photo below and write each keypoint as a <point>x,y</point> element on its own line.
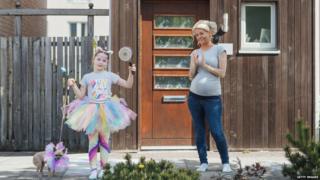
<point>275,51</point>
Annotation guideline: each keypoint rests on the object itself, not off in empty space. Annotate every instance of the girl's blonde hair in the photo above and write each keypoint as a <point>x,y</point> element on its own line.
<point>101,50</point>
<point>98,51</point>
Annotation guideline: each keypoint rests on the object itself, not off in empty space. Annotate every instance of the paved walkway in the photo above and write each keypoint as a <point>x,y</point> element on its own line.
<point>18,165</point>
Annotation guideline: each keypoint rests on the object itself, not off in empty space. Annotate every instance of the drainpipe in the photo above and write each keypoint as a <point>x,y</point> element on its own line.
<point>317,68</point>
<point>110,33</point>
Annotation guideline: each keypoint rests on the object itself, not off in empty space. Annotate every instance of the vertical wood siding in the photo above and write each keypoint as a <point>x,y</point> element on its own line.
<point>125,33</point>
<point>264,95</point>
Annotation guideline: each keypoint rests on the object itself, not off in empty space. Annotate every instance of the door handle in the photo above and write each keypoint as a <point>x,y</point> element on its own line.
<point>174,98</point>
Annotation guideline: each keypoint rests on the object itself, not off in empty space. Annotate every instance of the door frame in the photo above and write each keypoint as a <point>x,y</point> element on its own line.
<point>139,74</point>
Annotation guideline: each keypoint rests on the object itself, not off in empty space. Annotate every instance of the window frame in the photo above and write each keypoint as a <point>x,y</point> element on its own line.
<point>79,1</point>
<point>170,35</point>
<point>257,47</point>
<point>169,75</point>
<point>71,26</point>
<point>172,15</point>
<point>81,31</point>
<point>84,29</point>
<point>169,55</point>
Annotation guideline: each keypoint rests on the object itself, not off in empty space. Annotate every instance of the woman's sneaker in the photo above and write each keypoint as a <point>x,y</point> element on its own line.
<point>203,167</point>
<point>93,174</point>
<point>100,175</point>
<point>226,168</point>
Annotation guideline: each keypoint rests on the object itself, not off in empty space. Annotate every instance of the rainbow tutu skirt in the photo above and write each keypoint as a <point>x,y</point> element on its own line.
<point>111,115</point>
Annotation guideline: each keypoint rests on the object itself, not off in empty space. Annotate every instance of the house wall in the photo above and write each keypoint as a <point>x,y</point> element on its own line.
<point>31,26</point>
<point>124,32</point>
<point>101,23</point>
<point>263,94</point>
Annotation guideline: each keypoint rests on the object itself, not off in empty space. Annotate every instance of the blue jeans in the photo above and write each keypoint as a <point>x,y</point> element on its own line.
<point>208,108</point>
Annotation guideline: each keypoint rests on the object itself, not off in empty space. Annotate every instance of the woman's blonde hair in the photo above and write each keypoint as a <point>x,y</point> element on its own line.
<point>209,26</point>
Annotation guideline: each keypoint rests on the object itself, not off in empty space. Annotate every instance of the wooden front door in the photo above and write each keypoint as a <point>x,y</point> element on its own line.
<point>167,42</point>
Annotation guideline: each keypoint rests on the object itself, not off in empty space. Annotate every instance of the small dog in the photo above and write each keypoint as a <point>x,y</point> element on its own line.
<point>55,157</point>
<point>38,161</point>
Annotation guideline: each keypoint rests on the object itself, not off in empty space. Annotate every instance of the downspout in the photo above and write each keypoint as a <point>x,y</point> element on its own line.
<point>317,68</point>
<point>110,33</point>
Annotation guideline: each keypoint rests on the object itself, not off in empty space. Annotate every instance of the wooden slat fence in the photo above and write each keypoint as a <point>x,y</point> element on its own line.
<point>32,88</point>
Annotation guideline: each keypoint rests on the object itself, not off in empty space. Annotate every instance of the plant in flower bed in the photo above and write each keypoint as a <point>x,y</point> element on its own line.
<point>147,170</point>
<point>254,171</point>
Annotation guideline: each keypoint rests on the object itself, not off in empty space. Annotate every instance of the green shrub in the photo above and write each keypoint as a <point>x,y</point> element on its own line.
<point>305,161</point>
<point>147,170</point>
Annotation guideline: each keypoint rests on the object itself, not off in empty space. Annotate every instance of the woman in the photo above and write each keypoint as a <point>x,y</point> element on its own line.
<point>208,64</point>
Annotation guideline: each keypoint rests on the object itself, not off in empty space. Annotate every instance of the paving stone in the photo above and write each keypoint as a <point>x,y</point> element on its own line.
<point>18,165</point>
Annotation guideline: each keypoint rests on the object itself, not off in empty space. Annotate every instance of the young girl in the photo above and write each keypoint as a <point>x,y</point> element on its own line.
<point>98,113</point>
